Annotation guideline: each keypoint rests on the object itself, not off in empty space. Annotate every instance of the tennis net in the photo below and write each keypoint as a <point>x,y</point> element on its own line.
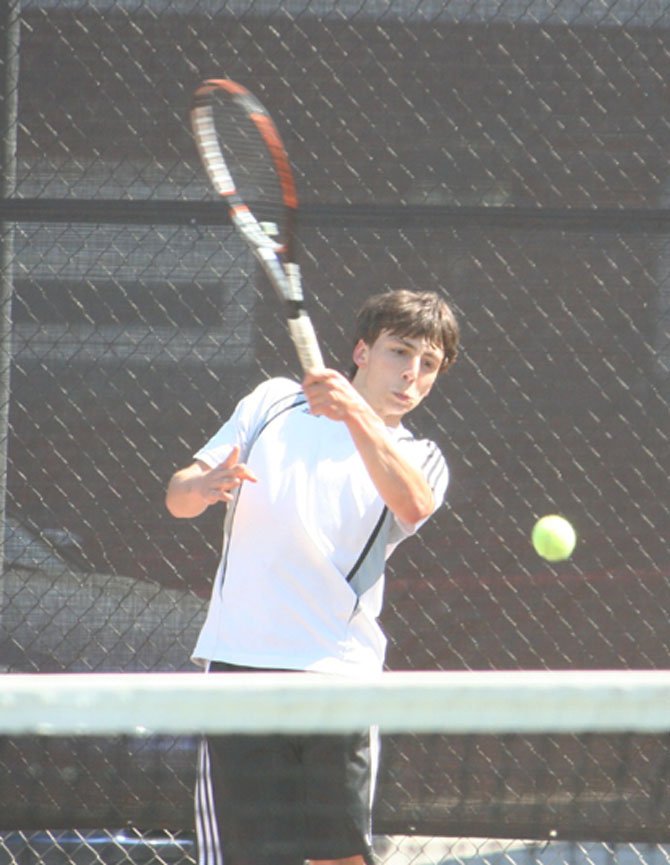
<point>542,755</point>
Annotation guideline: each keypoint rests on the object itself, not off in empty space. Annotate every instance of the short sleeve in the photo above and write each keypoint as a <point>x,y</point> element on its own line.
<point>246,419</point>
<point>428,458</point>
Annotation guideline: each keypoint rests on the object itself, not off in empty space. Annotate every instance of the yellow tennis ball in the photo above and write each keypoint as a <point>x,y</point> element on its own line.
<point>553,538</point>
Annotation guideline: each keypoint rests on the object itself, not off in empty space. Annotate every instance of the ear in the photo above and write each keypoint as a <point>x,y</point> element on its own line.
<point>360,353</point>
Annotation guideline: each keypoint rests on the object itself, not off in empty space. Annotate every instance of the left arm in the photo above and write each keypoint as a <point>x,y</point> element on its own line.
<point>402,487</point>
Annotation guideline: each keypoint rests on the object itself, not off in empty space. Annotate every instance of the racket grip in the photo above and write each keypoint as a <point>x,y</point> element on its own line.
<point>304,338</point>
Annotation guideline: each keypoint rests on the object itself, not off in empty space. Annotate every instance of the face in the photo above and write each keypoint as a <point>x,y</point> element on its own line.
<point>395,373</point>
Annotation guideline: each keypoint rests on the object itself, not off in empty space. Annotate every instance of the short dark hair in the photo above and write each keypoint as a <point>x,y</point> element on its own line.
<point>413,314</point>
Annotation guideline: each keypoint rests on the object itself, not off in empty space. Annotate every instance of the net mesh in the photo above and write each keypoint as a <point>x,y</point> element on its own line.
<point>546,756</point>
<point>510,154</point>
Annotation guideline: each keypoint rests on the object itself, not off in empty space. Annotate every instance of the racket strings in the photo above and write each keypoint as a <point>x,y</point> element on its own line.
<point>251,165</point>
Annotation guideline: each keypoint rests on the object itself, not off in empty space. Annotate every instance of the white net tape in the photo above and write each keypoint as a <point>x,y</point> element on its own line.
<point>425,702</point>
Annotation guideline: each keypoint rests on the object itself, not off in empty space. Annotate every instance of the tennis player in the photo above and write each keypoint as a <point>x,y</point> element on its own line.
<point>321,481</point>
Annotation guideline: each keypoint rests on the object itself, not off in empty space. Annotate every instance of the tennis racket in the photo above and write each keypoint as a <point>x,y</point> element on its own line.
<point>247,165</point>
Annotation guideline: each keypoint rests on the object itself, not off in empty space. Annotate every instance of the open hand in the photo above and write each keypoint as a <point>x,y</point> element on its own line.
<point>218,483</point>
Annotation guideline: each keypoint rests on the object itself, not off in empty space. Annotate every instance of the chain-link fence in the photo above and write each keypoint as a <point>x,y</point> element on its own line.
<point>509,154</point>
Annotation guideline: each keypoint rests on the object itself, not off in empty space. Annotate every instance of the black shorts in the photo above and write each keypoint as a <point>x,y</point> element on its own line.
<point>281,799</point>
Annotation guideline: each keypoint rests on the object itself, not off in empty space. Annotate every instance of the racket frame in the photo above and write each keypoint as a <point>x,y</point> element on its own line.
<point>277,260</point>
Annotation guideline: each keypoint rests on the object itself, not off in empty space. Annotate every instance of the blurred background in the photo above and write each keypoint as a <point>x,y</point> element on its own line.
<point>510,155</point>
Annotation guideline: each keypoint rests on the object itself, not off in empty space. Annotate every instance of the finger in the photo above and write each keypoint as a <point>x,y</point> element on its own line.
<point>218,496</point>
<point>232,457</point>
<point>240,472</point>
<point>312,379</point>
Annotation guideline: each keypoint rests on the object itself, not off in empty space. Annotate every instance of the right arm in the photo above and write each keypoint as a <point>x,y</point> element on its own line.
<point>402,486</point>
<point>193,489</point>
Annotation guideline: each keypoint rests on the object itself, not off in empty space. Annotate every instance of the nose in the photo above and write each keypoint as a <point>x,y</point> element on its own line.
<point>411,370</point>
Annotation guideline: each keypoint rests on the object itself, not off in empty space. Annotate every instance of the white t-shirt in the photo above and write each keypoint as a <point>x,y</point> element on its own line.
<point>301,578</point>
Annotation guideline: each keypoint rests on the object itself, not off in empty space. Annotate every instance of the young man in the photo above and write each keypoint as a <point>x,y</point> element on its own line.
<point>321,481</point>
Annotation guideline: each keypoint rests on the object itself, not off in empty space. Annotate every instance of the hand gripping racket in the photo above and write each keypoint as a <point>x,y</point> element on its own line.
<point>247,164</point>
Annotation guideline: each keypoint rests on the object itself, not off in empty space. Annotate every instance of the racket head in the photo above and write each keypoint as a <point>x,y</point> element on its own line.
<point>245,159</point>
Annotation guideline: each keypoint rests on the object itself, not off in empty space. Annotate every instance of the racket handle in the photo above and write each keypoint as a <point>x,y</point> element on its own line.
<point>299,322</point>
<point>306,343</point>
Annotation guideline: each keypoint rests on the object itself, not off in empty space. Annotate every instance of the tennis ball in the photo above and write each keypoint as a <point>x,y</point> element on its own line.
<point>553,538</point>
